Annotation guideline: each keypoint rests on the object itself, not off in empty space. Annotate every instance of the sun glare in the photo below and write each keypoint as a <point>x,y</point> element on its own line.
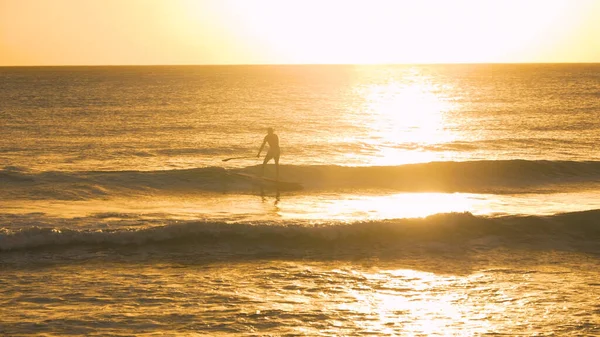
<point>377,207</point>
<point>394,31</point>
<point>430,315</point>
<point>297,31</point>
<point>406,113</point>
<point>405,117</point>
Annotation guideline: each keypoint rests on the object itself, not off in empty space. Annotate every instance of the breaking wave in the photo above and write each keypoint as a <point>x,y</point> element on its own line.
<point>503,176</point>
<point>579,231</point>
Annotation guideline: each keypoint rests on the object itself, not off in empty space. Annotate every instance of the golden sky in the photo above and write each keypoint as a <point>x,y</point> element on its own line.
<point>116,32</point>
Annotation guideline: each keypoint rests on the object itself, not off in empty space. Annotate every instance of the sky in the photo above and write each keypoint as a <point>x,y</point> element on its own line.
<point>153,32</point>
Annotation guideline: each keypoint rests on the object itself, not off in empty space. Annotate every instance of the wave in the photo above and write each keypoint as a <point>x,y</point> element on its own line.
<point>499,177</point>
<point>487,176</point>
<point>579,231</point>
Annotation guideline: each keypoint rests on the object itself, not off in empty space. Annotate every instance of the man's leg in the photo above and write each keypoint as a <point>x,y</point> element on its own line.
<point>267,158</point>
<point>277,167</point>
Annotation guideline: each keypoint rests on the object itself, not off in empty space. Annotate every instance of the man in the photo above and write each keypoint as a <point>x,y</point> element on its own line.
<point>273,152</point>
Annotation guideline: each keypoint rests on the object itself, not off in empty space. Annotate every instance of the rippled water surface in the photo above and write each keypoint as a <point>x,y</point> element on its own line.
<point>418,294</point>
<point>426,200</point>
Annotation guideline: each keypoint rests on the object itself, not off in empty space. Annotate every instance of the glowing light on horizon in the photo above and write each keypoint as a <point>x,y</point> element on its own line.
<point>308,31</point>
<point>394,31</point>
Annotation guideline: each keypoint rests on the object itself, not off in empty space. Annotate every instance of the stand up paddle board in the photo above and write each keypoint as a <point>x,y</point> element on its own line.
<point>282,185</point>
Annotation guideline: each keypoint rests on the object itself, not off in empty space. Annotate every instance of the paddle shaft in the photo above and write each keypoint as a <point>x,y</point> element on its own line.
<point>245,157</point>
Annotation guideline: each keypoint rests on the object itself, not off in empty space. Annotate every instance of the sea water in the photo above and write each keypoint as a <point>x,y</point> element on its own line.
<point>450,200</point>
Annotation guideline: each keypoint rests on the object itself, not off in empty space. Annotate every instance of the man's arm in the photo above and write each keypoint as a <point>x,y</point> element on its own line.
<point>261,147</point>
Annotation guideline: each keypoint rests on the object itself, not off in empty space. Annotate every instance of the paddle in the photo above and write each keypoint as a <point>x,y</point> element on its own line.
<point>245,157</point>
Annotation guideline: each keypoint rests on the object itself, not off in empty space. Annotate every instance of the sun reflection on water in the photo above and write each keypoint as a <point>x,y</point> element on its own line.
<point>405,117</point>
<point>423,301</point>
<point>400,205</point>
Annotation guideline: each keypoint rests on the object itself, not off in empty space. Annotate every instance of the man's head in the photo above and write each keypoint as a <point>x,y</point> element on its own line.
<point>270,130</point>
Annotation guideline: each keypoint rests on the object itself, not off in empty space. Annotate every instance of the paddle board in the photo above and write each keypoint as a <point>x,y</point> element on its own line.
<point>283,185</point>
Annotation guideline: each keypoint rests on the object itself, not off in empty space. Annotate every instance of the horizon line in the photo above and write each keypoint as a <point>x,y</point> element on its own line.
<point>287,64</point>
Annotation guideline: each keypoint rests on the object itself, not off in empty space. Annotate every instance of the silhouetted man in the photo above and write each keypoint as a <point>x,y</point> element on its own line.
<point>273,152</point>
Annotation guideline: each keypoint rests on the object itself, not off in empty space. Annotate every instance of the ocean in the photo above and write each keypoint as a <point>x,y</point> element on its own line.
<point>435,200</point>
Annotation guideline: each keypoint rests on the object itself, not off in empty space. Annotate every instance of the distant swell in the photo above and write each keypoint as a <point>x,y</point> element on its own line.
<point>503,176</point>
<point>578,231</point>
